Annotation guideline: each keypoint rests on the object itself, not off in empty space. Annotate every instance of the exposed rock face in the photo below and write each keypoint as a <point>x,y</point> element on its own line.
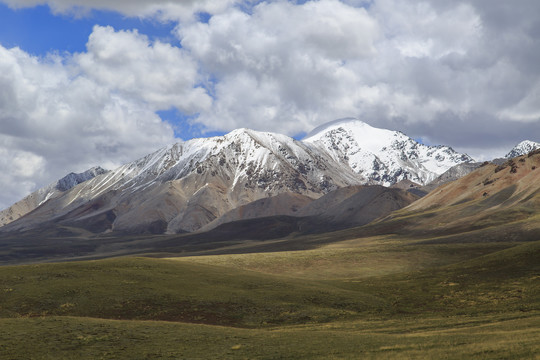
<point>72,179</point>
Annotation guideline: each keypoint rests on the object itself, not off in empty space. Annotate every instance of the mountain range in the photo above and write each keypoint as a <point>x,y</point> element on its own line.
<point>332,177</point>
<point>46,193</point>
<point>187,185</point>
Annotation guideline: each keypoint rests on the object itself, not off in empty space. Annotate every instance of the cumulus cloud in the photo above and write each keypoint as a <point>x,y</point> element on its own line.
<point>161,75</point>
<point>472,61</point>
<point>282,64</point>
<point>19,168</point>
<point>62,114</point>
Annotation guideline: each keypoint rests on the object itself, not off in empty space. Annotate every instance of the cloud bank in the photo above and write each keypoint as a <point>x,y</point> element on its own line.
<point>461,73</point>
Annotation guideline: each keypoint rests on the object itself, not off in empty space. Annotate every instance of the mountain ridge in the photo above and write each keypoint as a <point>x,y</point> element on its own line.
<point>492,203</point>
<point>40,196</point>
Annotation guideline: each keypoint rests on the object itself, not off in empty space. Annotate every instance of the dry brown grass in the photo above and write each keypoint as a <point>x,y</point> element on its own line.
<point>355,258</point>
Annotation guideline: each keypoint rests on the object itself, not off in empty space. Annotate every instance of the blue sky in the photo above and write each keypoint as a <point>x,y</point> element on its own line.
<point>38,31</point>
<point>103,82</point>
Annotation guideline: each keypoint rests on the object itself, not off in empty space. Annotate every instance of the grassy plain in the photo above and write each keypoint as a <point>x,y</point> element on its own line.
<point>367,298</point>
<point>509,336</point>
<point>351,259</point>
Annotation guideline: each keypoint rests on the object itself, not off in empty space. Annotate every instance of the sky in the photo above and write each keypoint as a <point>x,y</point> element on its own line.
<point>104,82</point>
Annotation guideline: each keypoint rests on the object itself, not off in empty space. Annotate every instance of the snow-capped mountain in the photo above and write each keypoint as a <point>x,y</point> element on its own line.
<point>185,186</point>
<point>382,156</point>
<point>51,191</point>
<point>522,148</point>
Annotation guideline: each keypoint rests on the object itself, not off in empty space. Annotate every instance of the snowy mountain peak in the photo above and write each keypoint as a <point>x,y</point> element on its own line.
<point>383,156</point>
<point>321,129</point>
<point>522,148</point>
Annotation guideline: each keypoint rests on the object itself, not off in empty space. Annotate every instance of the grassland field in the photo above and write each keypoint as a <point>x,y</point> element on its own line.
<point>376,297</point>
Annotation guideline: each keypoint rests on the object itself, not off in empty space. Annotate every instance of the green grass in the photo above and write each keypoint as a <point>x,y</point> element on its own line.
<point>458,301</point>
<point>151,289</point>
<point>503,337</point>
<point>500,282</point>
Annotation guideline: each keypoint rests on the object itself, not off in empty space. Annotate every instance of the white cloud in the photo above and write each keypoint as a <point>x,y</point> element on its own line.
<point>527,109</point>
<point>284,66</point>
<point>287,67</point>
<point>23,164</point>
<point>467,65</point>
<point>159,74</point>
<point>409,65</point>
<point>18,169</point>
<point>63,114</point>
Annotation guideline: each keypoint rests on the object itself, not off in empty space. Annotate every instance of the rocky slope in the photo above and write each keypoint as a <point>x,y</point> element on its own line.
<point>353,206</point>
<point>452,174</point>
<point>185,186</point>
<point>285,204</point>
<point>342,208</point>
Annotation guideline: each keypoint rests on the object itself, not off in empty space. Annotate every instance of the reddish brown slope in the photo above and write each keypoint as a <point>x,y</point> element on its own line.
<point>504,198</point>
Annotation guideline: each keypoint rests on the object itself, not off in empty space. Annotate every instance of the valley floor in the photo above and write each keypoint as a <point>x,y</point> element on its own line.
<point>379,297</point>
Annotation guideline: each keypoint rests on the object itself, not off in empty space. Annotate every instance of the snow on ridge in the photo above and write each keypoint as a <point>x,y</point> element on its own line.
<point>523,148</point>
<point>377,156</point>
<point>326,126</point>
<point>245,165</point>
